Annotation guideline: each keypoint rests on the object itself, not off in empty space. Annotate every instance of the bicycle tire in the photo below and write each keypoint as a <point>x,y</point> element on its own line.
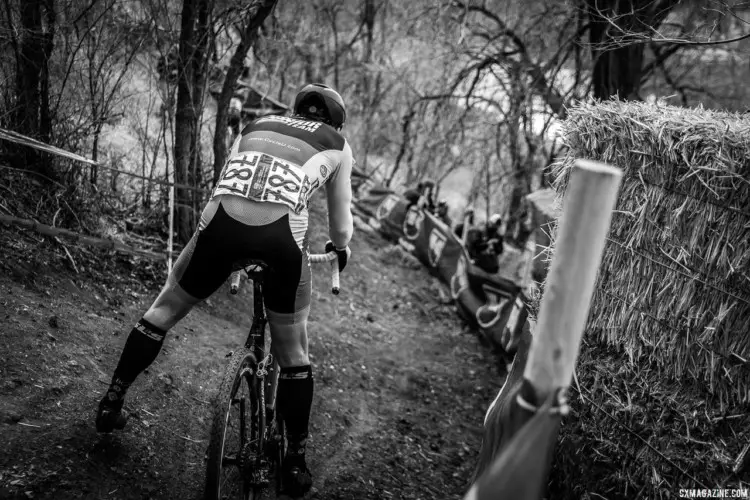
<point>240,368</point>
<point>279,452</point>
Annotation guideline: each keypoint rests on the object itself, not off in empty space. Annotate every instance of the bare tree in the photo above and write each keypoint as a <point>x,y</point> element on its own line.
<point>31,113</point>
<point>618,65</point>
<point>636,43</point>
<point>253,17</point>
<point>195,45</point>
<point>108,56</point>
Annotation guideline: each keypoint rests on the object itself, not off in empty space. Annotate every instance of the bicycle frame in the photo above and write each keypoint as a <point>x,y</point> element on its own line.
<point>255,271</point>
<point>256,337</point>
<point>261,455</point>
<point>267,363</point>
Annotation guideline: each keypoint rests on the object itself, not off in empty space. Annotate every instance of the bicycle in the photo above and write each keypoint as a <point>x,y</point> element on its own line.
<point>257,456</point>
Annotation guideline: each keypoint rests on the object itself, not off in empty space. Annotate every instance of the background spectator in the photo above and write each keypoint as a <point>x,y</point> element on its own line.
<point>235,115</point>
<point>442,212</point>
<point>468,221</point>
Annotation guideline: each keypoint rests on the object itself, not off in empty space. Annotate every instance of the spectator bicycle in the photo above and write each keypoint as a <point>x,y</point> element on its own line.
<point>246,444</point>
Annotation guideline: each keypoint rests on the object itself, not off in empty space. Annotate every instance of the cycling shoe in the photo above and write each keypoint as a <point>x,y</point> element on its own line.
<point>296,481</point>
<point>111,416</point>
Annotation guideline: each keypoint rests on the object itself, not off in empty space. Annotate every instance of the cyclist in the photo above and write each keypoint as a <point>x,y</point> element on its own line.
<point>258,209</point>
<point>235,115</point>
<point>442,212</point>
<point>493,233</point>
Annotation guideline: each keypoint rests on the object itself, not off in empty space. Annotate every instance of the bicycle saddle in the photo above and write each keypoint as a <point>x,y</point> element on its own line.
<point>251,266</point>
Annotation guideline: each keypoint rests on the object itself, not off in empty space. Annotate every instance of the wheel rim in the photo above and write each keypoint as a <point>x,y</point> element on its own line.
<point>280,450</point>
<point>238,435</point>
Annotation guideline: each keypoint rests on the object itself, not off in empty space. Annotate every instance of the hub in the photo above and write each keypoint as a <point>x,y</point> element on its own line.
<point>257,470</point>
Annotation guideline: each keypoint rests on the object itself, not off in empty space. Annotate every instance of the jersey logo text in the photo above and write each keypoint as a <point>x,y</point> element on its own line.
<point>306,125</point>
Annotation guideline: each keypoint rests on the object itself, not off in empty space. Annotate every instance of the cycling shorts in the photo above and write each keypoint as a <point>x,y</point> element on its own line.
<point>206,262</point>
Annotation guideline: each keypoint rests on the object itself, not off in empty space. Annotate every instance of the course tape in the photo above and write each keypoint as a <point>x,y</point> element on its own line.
<point>11,136</point>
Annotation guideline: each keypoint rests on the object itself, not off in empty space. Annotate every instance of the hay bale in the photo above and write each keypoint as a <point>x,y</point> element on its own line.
<point>661,395</point>
<point>545,209</point>
<point>632,434</point>
<point>674,285</point>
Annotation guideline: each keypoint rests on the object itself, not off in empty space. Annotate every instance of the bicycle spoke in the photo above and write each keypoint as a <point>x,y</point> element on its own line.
<point>237,448</point>
<point>230,487</point>
<point>238,467</point>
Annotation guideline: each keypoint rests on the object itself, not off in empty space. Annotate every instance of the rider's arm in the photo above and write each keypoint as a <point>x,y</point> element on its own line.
<point>235,146</point>
<point>339,194</point>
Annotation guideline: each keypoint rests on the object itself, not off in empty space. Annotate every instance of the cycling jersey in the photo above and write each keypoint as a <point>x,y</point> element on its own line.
<point>258,209</point>
<point>284,160</point>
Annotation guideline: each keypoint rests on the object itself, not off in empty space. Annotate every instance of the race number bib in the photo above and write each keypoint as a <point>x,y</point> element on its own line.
<point>436,244</point>
<point>262,177</point>
<point>413,223</point>
<point>386,206</point>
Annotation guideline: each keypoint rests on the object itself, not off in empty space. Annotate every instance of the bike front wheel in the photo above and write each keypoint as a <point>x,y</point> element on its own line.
<point>234,468</point>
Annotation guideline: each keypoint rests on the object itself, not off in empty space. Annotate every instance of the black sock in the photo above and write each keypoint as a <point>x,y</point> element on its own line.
<point>141,348</point>
<point>295,396</point>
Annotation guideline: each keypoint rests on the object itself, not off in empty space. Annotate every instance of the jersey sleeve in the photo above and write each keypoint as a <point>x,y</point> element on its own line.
<point>339,194</point>
<point>230,154</point>
<point>235,146</point>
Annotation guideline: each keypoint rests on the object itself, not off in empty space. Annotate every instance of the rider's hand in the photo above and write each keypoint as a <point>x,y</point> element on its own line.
<point>342,253</point>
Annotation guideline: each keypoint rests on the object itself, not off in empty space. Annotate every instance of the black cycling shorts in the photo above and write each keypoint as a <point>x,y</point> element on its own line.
<point>206,262</point>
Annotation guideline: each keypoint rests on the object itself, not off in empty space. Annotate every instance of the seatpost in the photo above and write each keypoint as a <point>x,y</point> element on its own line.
<point>258,309</point>
<point>258,327</point>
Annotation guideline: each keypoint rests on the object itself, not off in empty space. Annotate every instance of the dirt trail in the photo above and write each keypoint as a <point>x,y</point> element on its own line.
<point>401,388</point>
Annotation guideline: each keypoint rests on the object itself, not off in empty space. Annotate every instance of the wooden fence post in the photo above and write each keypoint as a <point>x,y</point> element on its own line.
<point>582,232</point>
<point>518,442</point>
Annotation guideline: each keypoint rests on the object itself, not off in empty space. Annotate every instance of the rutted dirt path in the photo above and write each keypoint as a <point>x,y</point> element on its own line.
<point>401,387</point>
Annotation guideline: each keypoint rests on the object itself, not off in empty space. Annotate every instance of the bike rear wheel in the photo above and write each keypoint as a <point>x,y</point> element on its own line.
<point>278,452</point>
<point>236,440</point>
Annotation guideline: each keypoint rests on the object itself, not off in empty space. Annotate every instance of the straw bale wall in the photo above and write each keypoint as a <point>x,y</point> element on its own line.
<point>674,285</point>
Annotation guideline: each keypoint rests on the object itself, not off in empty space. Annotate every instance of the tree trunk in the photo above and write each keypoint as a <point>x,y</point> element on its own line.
<point>184,121</point>
<point>618,66</point>
<point>368,20</point>
<point>405,138</point>
<point>45,117</point>
<point>191,82</point>
<point>203,51</point>
<point>257,13</point>
<point>31,115</point>
<point>29,69</point>
<point>616,71</point>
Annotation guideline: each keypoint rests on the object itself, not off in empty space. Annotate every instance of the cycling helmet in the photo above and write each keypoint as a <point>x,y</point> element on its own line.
<point>442,207</point>
<point>322,103</point>
<point>495,220</point>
